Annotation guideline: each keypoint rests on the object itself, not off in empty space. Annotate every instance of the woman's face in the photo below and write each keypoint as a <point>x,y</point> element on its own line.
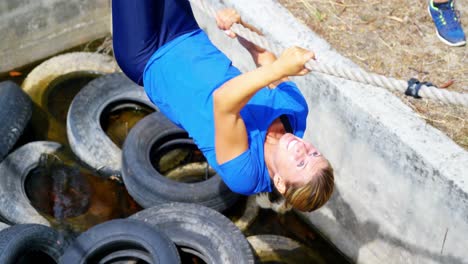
<point>297,161</point>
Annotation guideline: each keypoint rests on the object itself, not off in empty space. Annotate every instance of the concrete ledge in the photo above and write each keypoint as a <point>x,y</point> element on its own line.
<point>401,185</point>
<point>35,29</point>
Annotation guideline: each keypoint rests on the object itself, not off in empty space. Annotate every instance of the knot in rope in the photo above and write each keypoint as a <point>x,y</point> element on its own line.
<point>414,85</point>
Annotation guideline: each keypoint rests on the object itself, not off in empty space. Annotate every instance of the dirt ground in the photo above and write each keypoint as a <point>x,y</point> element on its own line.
<point>395,38</point>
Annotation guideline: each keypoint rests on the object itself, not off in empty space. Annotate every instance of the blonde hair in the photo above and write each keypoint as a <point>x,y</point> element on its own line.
<point>313,194</point>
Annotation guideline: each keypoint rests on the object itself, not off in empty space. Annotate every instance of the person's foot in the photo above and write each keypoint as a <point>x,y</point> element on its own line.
<point>447,23</point>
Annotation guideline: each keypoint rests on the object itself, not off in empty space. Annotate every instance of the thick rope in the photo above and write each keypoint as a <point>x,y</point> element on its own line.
<point>353,74</point>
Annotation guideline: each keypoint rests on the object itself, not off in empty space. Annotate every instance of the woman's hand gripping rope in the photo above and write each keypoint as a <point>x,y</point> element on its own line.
<point>291,62</point>
<point>227,17</point>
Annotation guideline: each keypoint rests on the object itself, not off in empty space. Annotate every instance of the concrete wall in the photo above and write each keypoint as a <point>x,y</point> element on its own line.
<point>401,185</point>
<point>31,30</point>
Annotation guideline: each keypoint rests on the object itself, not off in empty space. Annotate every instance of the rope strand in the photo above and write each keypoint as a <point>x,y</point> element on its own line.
<point>353,74</point>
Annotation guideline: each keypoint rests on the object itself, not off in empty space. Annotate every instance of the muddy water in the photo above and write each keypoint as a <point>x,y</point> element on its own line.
<point>70,195</point>
<point>119,119</point>
<point>62,90</point>
<point>181,162</point>
<point>73,198</point>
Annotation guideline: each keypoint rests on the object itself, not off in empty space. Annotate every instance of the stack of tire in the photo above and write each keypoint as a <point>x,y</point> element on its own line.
<point>193,228</point>
<point>154,235</point>
<point>179,217</point>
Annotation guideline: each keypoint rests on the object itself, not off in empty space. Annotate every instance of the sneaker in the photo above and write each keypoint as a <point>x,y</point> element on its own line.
<point>447,22</point>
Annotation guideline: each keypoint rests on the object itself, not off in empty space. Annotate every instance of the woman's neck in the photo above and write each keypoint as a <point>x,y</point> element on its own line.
<point>275,131</point>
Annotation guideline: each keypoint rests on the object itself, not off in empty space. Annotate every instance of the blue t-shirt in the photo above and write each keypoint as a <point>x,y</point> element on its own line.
<point>180,79</point>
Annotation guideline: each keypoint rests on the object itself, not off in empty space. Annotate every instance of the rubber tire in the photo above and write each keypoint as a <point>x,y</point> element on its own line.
<point>15,112</point>
<point>149,187</point>
<point>86,137</point>
<point>277,248</point>
<point>206,232</point>
<point>42,76</point>
<point>119,235</point>
<point>15,206</point>
<point>115,256</point>
<point>18,239</point>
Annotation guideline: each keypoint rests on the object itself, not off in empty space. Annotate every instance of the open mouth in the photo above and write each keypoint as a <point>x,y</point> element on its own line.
<point>291,143</point>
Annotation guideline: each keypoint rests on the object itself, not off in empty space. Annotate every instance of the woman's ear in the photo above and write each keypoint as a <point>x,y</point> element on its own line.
<point>279,183</point>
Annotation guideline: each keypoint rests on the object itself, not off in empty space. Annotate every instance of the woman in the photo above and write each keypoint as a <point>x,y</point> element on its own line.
<point>235,119</point>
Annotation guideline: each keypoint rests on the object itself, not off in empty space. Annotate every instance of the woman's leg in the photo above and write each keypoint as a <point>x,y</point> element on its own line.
<point>140,27</point>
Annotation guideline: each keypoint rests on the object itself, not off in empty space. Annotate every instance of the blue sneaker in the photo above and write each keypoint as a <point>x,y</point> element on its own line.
<point>447,23</point>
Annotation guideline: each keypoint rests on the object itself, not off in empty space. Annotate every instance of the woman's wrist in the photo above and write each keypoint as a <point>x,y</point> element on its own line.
<point>277,69</point>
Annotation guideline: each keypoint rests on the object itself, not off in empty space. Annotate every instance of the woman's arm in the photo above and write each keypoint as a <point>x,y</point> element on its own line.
<point>228,100</point>
<point>226,18</point>
<point>260,56</point>
<point>230,132</point>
